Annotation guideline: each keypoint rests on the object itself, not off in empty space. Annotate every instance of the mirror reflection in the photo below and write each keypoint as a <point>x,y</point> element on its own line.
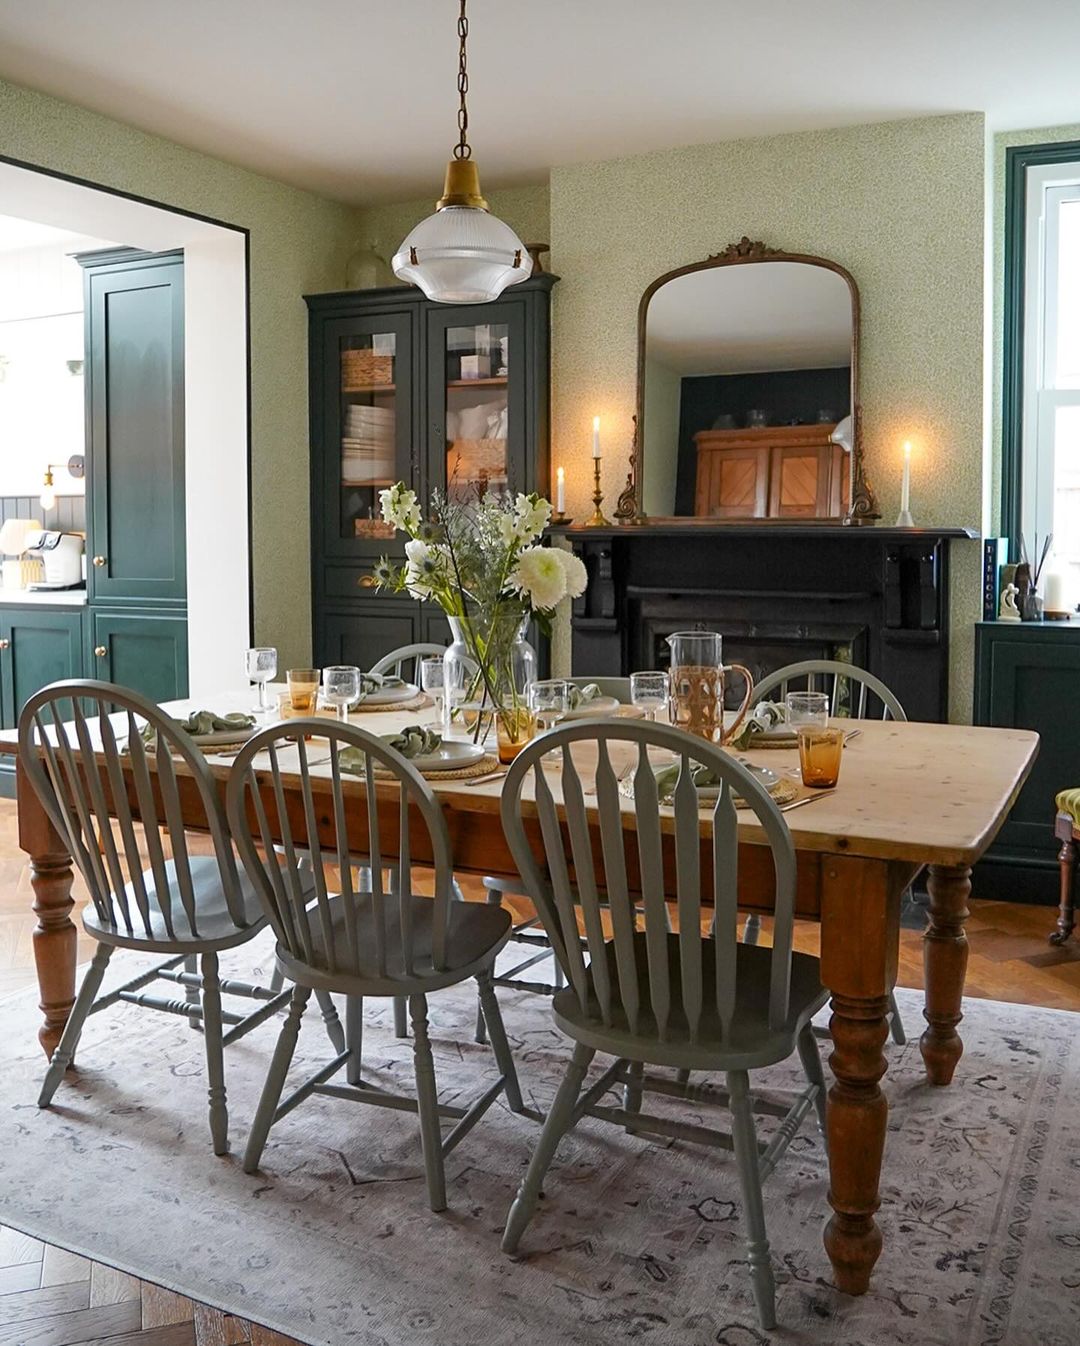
<point>746,389</point>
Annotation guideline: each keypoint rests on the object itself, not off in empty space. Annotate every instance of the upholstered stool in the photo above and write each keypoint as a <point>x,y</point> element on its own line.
<point>1067,827</point>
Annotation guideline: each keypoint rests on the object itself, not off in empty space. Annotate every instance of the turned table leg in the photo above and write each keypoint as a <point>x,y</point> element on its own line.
<point>945,955</point>
<point>860,937</point>
<point>55,938</point>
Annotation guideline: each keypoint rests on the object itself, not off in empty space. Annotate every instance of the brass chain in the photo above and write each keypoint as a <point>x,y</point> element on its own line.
<point>462,150</point>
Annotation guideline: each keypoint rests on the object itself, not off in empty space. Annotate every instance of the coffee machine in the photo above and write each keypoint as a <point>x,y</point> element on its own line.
<point>61,555</point>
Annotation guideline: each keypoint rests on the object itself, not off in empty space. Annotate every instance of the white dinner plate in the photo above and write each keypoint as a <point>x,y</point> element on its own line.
<point>223,738</point>
<point>451,755</point>
<point>762,775</point>
<point>390,696</point>
<point>599,705</point>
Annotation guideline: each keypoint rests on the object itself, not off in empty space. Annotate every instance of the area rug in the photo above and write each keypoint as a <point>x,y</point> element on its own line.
<point>636,1240</point>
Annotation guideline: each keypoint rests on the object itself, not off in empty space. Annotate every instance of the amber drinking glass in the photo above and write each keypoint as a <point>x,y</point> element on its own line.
<point>514,726</point>
<point>303,689</point>
<point>819,756</point>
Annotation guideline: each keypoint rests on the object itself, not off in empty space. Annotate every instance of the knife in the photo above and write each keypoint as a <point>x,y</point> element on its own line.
<point>806,799</point>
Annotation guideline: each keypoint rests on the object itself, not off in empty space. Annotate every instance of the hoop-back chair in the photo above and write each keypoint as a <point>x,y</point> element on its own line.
<point>854,693</point>
<point>81,750</point>
<point>648,995</point>
<point>529,931</point>
<point>395,662</point>
<point>368,939</point>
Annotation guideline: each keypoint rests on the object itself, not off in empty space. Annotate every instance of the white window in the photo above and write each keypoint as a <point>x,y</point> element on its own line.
<point>1050,481</point>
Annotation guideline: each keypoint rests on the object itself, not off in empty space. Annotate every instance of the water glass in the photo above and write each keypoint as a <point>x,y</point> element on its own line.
<point>432,680</point>
<point>649,692</point>
<point>341,687</point>
<point>549,701</point>
<point>261,665</point>
<point>820,751</point>
<point>807,708</point>
<point>303,689</point>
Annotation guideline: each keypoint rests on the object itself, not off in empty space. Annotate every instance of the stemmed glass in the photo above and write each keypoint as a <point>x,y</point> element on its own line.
<point>261,665</point>
<point>341,687</point>
<point>649,692</point>
<point>432,681</point>
<point>549,700</point>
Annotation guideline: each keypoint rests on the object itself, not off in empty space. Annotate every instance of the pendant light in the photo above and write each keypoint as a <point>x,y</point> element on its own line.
<point>462,254</point>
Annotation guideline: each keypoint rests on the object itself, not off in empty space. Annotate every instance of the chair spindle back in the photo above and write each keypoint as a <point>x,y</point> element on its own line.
<point>850,689</point>
<point>638,869</point>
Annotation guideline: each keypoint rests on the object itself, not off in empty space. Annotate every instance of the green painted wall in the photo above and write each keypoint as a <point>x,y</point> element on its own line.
<point>1046,135</point>
<point>299,244</point>
<point>902,205</point>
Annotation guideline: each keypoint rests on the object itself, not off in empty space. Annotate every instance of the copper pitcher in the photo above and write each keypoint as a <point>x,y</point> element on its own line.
<point>696,685</point>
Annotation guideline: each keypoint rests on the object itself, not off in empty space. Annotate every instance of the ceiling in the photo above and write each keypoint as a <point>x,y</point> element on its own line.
<point>357,99</point>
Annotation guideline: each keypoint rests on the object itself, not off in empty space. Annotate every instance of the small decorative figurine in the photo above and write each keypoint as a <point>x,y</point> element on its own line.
<point>1007,609</point>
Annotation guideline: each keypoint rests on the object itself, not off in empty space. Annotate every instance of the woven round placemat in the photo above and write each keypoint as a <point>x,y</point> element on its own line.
<point>783,792</point>
<point>489,762</point>
<point>417,702</point>
<point>757,743</point>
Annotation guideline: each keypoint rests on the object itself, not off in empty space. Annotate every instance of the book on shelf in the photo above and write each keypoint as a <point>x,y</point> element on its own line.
<point>995,557</point>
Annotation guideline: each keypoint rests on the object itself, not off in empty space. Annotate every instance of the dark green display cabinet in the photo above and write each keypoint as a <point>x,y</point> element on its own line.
<point>136,631</point>
<point>447,397</point>
<point>39,644</point>
<point>1027,676</point>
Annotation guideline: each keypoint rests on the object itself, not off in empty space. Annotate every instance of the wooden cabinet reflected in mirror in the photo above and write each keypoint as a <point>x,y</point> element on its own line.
<point>747,399</point>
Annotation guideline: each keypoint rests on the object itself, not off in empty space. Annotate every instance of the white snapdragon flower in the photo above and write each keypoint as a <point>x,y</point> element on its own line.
<point>539,576</point>
<point>577,577</point>
<point>400,507</point>
<point>531,515</point>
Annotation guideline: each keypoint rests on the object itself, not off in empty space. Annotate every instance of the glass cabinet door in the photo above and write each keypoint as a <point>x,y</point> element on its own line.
<point>369,388</point>
<point>476,366</point>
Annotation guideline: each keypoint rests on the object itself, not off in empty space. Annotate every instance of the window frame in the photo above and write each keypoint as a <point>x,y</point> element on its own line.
<point>1018,159</point>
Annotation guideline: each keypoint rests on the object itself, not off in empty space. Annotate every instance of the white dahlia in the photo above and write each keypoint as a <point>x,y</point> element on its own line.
<point>539,576</point>
<point>577,577</point>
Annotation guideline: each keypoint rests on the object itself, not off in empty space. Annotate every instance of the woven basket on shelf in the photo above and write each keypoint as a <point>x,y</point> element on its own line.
<point>365,367</point>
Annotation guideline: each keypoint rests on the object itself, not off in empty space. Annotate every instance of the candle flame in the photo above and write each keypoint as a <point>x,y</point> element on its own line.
<point>907,448</point>
<point>596,422</point>
<point>560,475</point>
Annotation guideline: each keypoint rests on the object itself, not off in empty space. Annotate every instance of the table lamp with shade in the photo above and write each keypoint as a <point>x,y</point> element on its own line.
<point>17,574</point>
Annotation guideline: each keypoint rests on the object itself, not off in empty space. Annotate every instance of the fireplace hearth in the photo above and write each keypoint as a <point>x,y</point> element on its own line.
<point>877,597</point>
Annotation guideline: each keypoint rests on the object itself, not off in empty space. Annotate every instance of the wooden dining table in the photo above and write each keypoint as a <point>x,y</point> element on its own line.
<point>909,796</point>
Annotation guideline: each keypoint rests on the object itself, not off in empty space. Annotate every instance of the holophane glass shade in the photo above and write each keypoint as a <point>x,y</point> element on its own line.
<point>464,255</point>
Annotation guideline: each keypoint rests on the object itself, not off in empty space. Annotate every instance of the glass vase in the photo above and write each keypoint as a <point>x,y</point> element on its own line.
<point>487,671</point>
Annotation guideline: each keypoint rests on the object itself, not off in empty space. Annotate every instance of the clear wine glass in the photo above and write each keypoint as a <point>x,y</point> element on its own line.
<point>649,692</point>
<point>432,681</point>
<point>549,700</point>
<point>341,687</point>
<point>261,665</point>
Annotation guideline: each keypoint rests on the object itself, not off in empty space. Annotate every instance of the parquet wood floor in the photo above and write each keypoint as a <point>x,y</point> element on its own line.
<point>49,1297</point>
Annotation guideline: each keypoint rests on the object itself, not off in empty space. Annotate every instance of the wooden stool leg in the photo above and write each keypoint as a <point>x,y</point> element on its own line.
<point>1066,921</point>
<point>945,955</point>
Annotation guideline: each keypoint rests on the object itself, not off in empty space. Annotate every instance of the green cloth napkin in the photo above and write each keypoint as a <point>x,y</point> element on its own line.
<point>580,696</point>
<point>668,778</point>
<point>413,741</point>
<point>766,715</point>
<point>201,722</point>
<point>378,682</point>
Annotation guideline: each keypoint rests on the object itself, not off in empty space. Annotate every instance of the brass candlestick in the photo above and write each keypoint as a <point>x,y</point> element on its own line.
<point>598,520</point>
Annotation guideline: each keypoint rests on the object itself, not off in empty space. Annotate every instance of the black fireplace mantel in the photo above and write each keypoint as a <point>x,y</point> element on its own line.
<point>778,592</point>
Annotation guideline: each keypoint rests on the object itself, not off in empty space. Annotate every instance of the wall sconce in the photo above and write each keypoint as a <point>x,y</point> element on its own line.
<point>76,467</point>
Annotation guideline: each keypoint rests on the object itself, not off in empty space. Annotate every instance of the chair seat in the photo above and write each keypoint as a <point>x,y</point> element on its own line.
<point>475,933</point>
<point>750,1042</point>
<point>1068,802</point>
<point>215,927</point>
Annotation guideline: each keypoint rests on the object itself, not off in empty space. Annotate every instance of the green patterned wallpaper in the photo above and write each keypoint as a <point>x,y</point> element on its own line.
<point>299,243</point>
<point>901,205</point>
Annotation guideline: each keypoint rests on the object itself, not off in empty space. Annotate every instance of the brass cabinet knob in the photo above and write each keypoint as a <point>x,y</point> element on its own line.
<point>5,644</point>
<point>100,651</point>
<point>99,561</point>
<point>367,581</point>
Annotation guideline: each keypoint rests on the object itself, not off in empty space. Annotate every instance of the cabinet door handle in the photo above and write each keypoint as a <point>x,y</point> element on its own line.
<point>99,561</point>
<point>5,643</point>
<point>101,651</point>
<point>367,581</point>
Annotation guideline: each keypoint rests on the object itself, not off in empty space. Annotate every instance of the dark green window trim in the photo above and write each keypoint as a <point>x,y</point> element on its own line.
<point>1017,161</point>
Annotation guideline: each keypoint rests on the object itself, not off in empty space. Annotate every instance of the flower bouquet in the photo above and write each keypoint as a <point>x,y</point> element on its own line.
<point>482,561</point>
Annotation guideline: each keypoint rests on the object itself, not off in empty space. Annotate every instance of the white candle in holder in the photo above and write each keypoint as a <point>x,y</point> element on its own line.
<point>560,491</point>
<point>905,483</point>
<point>596,436</point>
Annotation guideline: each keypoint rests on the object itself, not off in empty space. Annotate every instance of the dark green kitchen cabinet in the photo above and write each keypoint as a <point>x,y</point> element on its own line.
<point>449,398</point>
<point>134,378</point>
<point>1027,676</point>
<point>146,651</point>
<point>38,645</point>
